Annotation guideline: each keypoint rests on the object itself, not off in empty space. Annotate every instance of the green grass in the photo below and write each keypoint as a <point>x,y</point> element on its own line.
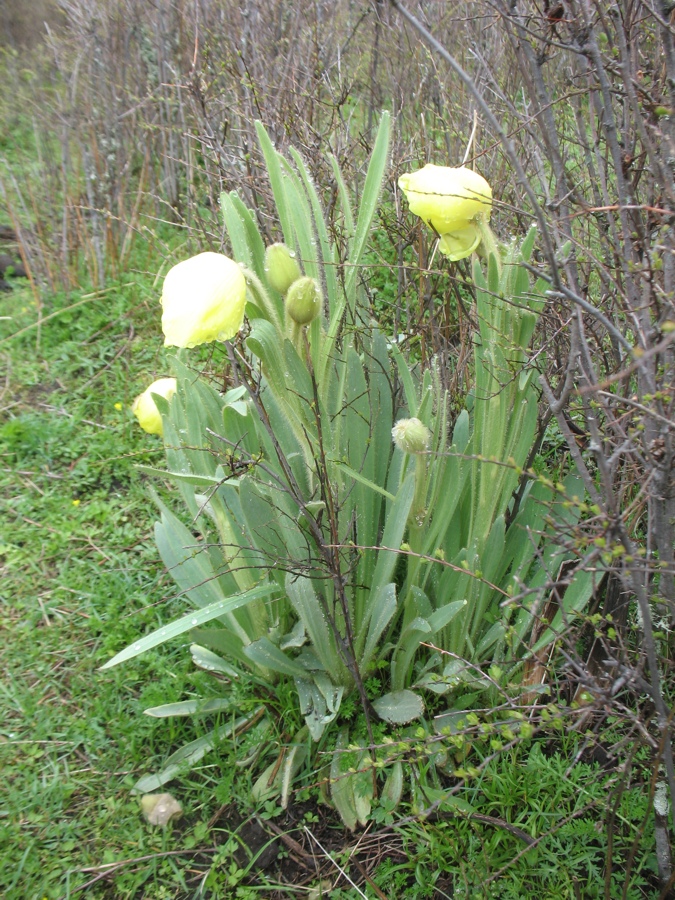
<point>562,808</point>
<point>80,579</point>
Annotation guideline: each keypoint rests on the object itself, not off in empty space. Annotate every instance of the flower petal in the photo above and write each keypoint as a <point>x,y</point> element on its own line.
<point>460,244</point>
<point>203,300</point>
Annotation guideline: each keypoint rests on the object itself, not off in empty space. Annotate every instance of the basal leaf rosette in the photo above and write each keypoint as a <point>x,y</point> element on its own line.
<point>145,408</point>
<point>455,202</point>
<point>203,301</point>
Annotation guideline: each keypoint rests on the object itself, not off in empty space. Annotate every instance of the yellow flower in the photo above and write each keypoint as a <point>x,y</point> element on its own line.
<point>203,300</point>
<point>452,202</point>
<point>76,502</point>
<point>118,406</point>
<point>145,408</point>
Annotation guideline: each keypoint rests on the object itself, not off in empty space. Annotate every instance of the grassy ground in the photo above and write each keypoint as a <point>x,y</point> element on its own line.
<point>80,578</point>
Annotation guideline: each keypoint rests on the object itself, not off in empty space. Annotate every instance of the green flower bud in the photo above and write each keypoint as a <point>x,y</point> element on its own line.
<point>281,267</point>
<point>411,436</point>
<point>303,301</point>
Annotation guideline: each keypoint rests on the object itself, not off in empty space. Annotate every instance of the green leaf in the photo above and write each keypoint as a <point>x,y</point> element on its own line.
<point>273,162</point>
<point>185,558</point>
<point>399,707</point>
<point>363,787</point>
<point>345,202</point>
<point>211,662</point>
<point>266,654</point>
<point>397,519</point>
<point>494,288</point>
<point>528,243</point>
<point>319,702</point>
<point>267,785</point>
<point>408,643</point>
<point>190,754</point>
<point>404,374</point>
<point>308,607</point>
<point>320,224</point>
<point>255,241</point>
<point>369,200</point>
<point>224,644</point>
<point>576,596</point>
<point>236,230</point>
<point>189,708</point>
<point>380,613</point>
<point>186,477</point>
<point>393,786</point>
<point>342,784</point>
<point>443,616</point>
<point>364,481</point>
<point>296,755</point>
<point>187,623</point>
<point>367,210</point>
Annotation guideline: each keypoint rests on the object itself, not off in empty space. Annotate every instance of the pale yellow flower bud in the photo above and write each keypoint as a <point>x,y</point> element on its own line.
<point>281,267</point>
<point>303,301</point>
<point>203,300</point>
<point>145,408</point>
<point>452,201</point>
<point>411,436</point>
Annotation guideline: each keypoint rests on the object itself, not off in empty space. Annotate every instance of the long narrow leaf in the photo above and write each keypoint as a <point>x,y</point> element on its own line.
<point>397,519</point>
<point>369,199</point>
<point>189,708</point>
<point>190,754</point>
<point>186,623</point>
<point>273,161</point>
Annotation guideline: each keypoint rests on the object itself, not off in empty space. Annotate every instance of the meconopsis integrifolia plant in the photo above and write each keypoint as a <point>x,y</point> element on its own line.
<point>347,525</point>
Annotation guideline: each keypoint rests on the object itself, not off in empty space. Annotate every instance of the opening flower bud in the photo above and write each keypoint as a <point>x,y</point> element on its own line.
<point>281,267</point>
<point>411,436</point>
<point>453,201</point>
<point>145,408</point>
<point>303,301</point>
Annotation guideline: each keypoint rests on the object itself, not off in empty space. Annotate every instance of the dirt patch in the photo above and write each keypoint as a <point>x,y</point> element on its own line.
<point>313,840</point>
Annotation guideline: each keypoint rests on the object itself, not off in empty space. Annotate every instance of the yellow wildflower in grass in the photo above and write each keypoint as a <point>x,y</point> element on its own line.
<point>145,408</point>
<point>203,300</point>
<point>118,406</point>
<point>453,201</point>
